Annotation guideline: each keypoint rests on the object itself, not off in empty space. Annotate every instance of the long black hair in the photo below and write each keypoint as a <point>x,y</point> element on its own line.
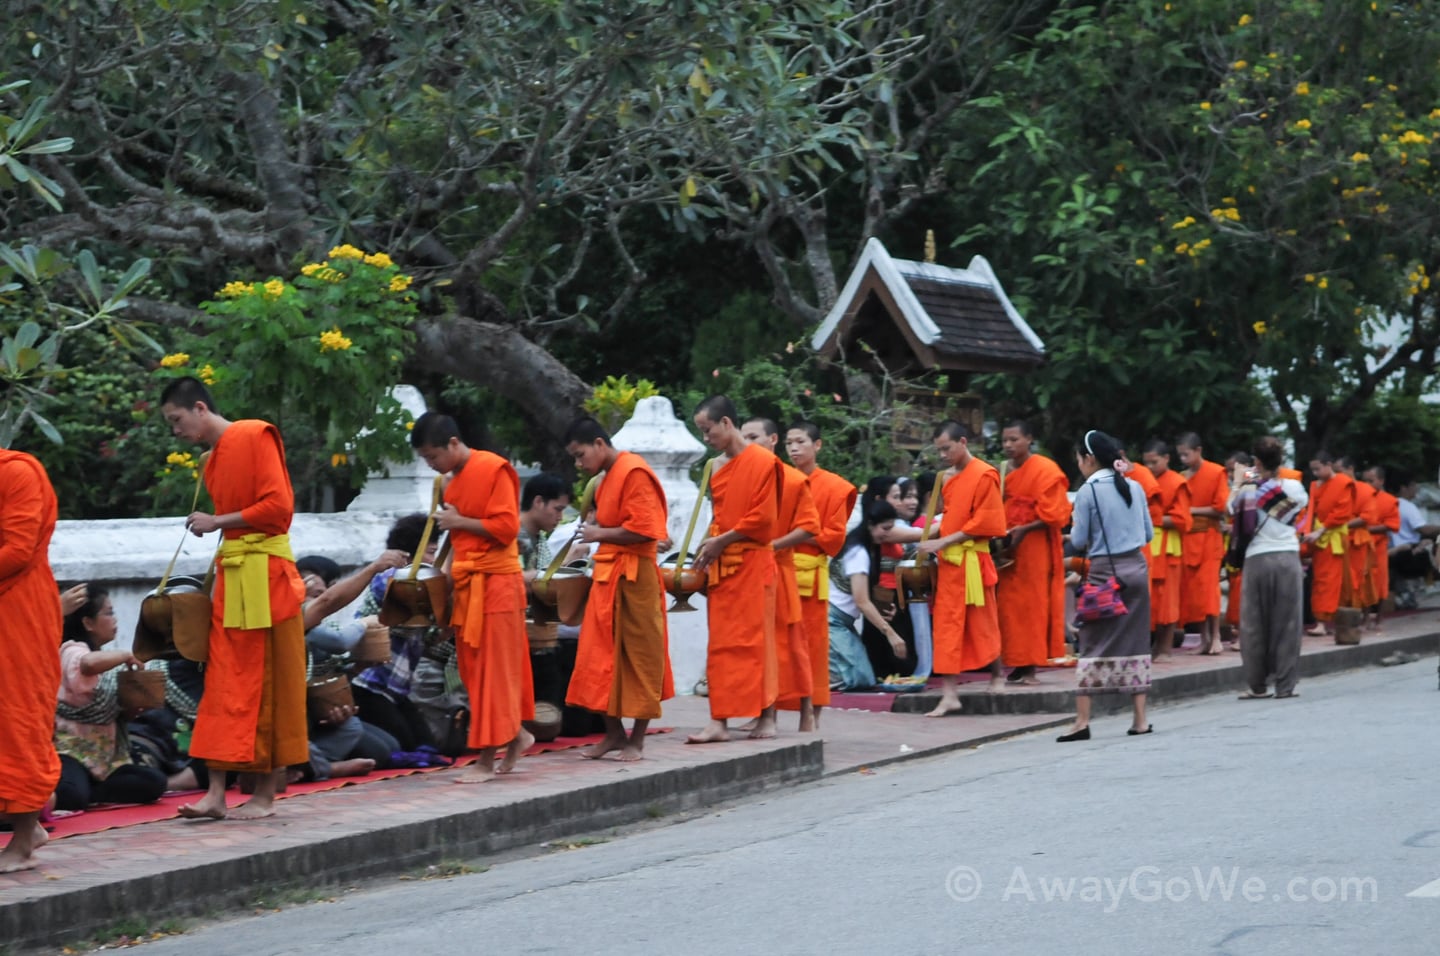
<point>74,629</point>
<point>1107,450</point>
<point>878,512</point>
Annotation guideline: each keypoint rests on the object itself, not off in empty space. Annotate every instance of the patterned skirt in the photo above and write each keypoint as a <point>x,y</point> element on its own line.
<point>1115,653</point>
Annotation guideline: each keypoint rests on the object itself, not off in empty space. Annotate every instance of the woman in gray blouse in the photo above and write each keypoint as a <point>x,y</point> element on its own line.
<point>1110,525</point>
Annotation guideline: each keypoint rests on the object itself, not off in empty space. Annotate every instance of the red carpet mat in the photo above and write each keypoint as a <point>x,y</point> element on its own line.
<point>111,816</point>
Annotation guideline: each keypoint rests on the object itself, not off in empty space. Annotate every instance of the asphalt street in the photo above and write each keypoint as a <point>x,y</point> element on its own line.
<point>1306,826</point>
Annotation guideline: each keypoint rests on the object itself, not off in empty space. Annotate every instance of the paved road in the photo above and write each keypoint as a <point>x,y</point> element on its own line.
<point>1303,826</point>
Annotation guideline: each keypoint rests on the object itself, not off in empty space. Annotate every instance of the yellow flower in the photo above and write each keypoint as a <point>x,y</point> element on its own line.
<point>178,458</point>
<point>338,459</point>
<point>1205,105</point>
<point>380,260</point>
<point>1382,208</point>
<point>1139,262</point>
<point>1229,200</point>
<point>334,341</point>
<point>1239,65</point>
<point>1183,248</point>
<point>1246,20</point>
<point>207,374</point>
<point>1309,277</point>
<point>234,290</point>
<point>1302,88</point>
<point>400,283</point>
<point>1410,136</point>
<point>175,360</point>
<point>1324,283</point>
<point>346,251</point>
<point>1229,213</point>
<point>1359,157</point>
<point>274,289</point>
<point>1250,190</point>
<point>1260,327</point>
<point>312,268</point>
<point>1184,223</point>
<point>1302,124</point>
<point>409,426</point>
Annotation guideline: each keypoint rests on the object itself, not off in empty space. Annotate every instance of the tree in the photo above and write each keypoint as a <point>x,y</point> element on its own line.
<point>498,151</point>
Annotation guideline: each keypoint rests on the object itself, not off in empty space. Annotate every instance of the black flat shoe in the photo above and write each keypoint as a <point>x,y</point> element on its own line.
<point>1082,734</point>
<point>1149,729</point>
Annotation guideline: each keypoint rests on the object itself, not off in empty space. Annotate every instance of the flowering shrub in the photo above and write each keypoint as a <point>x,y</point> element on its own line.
<point>316,355</point>
<point>612,402</point>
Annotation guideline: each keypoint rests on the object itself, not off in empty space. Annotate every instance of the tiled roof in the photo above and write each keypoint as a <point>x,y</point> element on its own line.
<point>973,322</point>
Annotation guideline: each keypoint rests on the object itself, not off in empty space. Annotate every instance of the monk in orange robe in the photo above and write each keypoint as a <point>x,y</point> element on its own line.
<point>252,716</point>
<point>798,522</point>
<point>1384,519</point>
<point>1204,547</point>
<point>834,501</point>
<point>1361,580</point>
<point>1333,497</point>
<point>30,677</point>
<point>1030,595</point>
<point>481,512</point>
<point>1166,548</point>
<point>966,626</point>
<point>622,661</point>
<point>740,663</point>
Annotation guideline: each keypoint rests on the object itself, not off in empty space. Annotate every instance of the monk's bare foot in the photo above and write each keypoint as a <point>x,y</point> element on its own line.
<point>296,775</point>
<point>714,732</point>
<point>477,772</point>
<point>12,860</point>
<point>749,726</point>
<point>808,721</point>
<point>204,809</point>
<point>997,685</point>
<point>358,767</point>
<point>523,741</point>
<point>254,809</point>
<point>945,707</point>
<point>599,749</point>
<point>764,728</point>
<point>632,752</point>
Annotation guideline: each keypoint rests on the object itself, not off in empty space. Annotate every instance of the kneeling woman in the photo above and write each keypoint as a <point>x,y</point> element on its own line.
<point>851,580</point>
<point>1110,525</point>
<point>95,765</point>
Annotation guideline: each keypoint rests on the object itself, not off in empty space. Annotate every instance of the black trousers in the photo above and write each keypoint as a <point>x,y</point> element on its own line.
<point>400,719</point>
<point>128,784</point>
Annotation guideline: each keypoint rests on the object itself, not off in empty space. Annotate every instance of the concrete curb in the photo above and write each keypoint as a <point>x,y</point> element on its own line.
<point>54,920</point>
<point>1167,687</point>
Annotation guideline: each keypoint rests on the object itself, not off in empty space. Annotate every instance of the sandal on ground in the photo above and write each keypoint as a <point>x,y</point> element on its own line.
<point>1251,695</point>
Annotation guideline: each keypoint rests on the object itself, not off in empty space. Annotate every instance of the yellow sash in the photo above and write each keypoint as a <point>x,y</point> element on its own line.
<point>966,554</point>
<point>506,561</point>
<point>246,561</point>
<point>1332,539</point>
<point>1165,543</point>
<point>812,575</point>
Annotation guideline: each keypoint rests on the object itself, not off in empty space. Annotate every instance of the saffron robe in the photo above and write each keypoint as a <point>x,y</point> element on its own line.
<point>1167,566</point>
<point>1204,546</point>
<point>251,717</point>
<point>1386,512</point>
<point>1362,551</point>
<point>622,661</point>
<point>834,499</point>
<point>1334,508</point>
<point>1031,592</point>
<point>966,633</point>
<point>792,649</point>
<point>740,662</point>
<point>30,607</point>
<point>493,652</point>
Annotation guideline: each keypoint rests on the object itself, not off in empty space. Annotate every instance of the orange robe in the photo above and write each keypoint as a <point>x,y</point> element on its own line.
<point>30,607</point>
<point>1145,478</point>
<point>489,608</point>
<point>1167,550</point>
<point>792,648</point>
<point>1387,513</point>
<point>740,662</point>
<point>251,717</point>
<point>834,501</point>
<point>622,662</point>
<point>1031,592</point>
<point>1204,547</point>
<point>965,625</point>
<point>1362,550</point>
<point>1334,508</point>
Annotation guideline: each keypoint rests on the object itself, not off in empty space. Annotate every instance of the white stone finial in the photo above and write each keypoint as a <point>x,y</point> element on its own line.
<point>657,435</point>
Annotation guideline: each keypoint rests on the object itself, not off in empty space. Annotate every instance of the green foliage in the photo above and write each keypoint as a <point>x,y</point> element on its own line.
<point>1399,431</point>
<point>280,353</point>
<point>613,401</point>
